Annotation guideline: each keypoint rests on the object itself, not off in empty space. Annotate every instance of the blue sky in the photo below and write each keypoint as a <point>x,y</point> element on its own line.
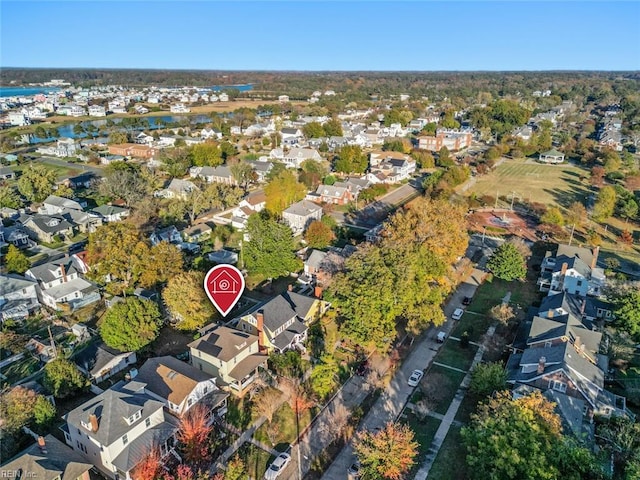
<point>329,35</point>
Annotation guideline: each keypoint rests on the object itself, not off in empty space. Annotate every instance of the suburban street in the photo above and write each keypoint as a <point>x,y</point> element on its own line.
<point>390,404</point>
<point>377,211</point>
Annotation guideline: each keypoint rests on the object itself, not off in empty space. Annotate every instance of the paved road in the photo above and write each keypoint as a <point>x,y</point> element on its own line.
<point>392,401</point>
<point>377,211</point>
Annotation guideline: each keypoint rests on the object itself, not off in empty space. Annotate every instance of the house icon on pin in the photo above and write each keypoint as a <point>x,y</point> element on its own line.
<point>224,283</point>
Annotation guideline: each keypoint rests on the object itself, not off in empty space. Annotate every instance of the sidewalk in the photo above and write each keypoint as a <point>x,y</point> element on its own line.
<point>449,417</point>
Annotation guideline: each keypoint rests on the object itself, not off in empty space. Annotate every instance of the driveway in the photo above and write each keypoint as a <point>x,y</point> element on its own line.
<point>393,399</point>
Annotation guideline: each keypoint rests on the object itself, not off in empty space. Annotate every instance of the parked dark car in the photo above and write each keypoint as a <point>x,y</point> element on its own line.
<point>466,300</point>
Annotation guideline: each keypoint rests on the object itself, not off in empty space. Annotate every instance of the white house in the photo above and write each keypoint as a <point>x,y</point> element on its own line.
<point>179,108</point>
<point>53,205</point>
<point>294,157</point>
<point>114,430</point>
<point>111,213</point>
<point>18,297</point>
<point>299,215</point>
<point>97,111</point>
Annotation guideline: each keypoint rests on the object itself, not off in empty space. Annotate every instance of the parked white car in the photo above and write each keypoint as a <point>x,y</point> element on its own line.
<point>415,378</point>
<point>457,314</point>
<point>278,465</point>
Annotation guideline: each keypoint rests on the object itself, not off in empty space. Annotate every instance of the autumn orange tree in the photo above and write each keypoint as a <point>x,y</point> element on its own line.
<point>318,235</point>
<point>388,453</point>
<point>150,467</point>
<point>193,436</point>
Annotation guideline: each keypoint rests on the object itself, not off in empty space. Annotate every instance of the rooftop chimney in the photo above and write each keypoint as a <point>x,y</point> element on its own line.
<point>596,251</point>
<point>550,313</point>
<point>93,420</point>
<point>564,268</point>
<point>583,307</point>
<point>42,443</point>
<point>260,327</point>
<point>541,365</point>
<point>317,292</point>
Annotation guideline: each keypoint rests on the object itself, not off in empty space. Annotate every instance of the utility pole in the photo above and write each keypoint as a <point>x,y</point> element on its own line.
<point>53,344</point>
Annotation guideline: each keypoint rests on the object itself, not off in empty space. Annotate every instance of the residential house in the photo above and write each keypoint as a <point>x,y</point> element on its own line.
<point>231,355</point>
<point>42,350</point>
<point>53,205</point>
<point>18,297</point>
<point>336,195</point>
<point>291,136</point>
<point>7,173</point>
<point>97,111</point>
<point>261,169</point>
<point>45,228</point>
<point>223,256</point>
<point>48,459</point>
<point>169,234</point>
<point>299,215</point>
<point>117,428</point>
<point>197,233</point>
<point>551,156</point>
<point>132,150</point>
<point>573,270</point>
<point>177,188</point>
<point>219,174</point>
<point>254,202</point>
<point>143,139</point>
<point>209,133</point>
<point>111,213</point>
<point>556,350</point>
<point>452,139</point>
<point>295,156</point>
<point>84,180</point>
<point>66,147</point>
<point>179,108</point>
<point>59,283</point>
<point>181,386</point>
<point>390,167</point>
<point>100,362</point>
<point>283,321</point>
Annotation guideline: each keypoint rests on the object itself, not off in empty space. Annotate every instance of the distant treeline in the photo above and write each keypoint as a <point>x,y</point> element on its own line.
<point>359,85</point>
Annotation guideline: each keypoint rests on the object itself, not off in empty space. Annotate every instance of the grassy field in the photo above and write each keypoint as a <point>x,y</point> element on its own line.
<point>454,355</point>
<point>549,184</point>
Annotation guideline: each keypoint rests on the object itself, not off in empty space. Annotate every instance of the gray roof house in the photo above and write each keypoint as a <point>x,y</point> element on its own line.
<point>18,297</point>
<point>219,174</point>
<point>115,430</point>
<point>111,213</point>
<point>299,215</point>
<point>99,362</point>
<point>45,227</point>
<point>54,204</point>
<point>48,459</point>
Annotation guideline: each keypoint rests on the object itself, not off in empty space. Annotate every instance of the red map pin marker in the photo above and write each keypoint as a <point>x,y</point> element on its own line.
<point>224,285</point>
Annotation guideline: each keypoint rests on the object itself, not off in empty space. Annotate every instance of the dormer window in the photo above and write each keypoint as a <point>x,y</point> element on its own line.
<point>86,425</point>
<point>136,416</point>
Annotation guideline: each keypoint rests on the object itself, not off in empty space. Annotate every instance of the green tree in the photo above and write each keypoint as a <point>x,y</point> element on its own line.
<point>318,235</point>
<point>333,128</point>
<point>242,173</point>
<point>16,261</point>
<point>553,216</point>
<point>64,191</point>
<point>62,378</point>
<point>444,158</point>
<point>313,130</point>
<point>387,454</point>
<point>621,438</point>
<point>430,129</point>
<point>627,310</point>
<point>351,159</point>
<point>9,198</point>
<point>487,378</point>
<point>206,154</point>
<point>236,469</point>
<point>125,181</point>
<point>186,300</point>
<point>176,161</point>
<point>270,250</point>
<point>605,204</point>
<point>324,376</point>
<point>117,138</point>
<point>513,439</point>
<point>507,263</point>
<point>22,406</point>
<point>131,325</point>
<point>312,173</point>
<point>577,214</point>
<point>36,182</point>
<point>423,158</point>
<point>282,191</point>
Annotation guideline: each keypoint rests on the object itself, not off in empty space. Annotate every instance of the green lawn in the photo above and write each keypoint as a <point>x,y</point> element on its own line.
<point>474,325</point>
<point>548,184</point>
<point>20,369</point>
<point>450,464</point>
<point>424,431</point>
<point>439,386</point>
<point>283,428</point>
<point>454,355</point>
<point>255,459</point>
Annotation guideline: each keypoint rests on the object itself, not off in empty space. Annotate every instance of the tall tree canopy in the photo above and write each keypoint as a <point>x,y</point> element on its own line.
<point>627,309</point>
<point>351,159</point>
<point>36,182</point>
<point>283,190</point>
<point>387,454</point>
<point>186,300</point>
<point>507,263</point>
<point>270,250</point>
<point>62,378</point>
<point>131,325</point>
